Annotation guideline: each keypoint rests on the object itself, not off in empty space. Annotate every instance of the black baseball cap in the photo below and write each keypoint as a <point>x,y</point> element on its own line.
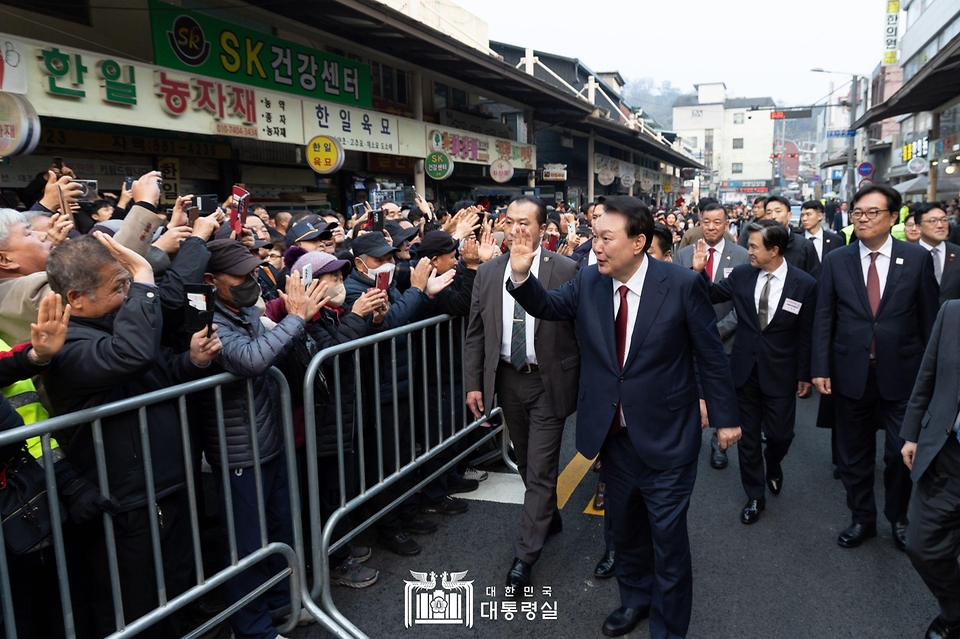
<point>398,234</point>
<point>371,244</point>
<point>308,230</point>
<point>231,257</point>
<point>436,243</point>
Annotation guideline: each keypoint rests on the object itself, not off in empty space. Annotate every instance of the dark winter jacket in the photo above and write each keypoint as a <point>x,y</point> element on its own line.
<point>106,359</point>
<point>249,350</point>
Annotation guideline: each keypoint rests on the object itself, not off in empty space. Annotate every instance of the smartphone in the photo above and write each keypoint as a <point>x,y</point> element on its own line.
<point>58,162</point>
<point>90,190</point>
<point>307,275</point>
<point>552,242</point>
<point>192,214</point>
<point>571,228</point>
<point>128,182</point>
<point>359,209</point>
<point>378,220</point>
<point>206,203</point>
<point>383,281</point>
<point>198,311</point>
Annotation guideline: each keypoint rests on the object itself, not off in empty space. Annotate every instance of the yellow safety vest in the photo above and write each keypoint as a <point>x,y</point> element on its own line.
<point>23,397</point>
<point>898,231</point>
<point>848,231</point>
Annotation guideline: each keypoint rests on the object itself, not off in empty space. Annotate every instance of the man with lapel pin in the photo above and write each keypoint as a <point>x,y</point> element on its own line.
<point>811,219</point>
<point>532,367</point>
<point>934,228</point>
<point>875,309</point>
<point>775,303</point>
<point>722,257</point>
<point>641,324</point>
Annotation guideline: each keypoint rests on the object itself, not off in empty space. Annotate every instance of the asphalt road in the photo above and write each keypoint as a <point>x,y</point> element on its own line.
<point>782,577</point>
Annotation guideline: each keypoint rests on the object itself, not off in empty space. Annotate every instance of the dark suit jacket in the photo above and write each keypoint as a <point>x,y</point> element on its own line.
<point>838,221</point>
<point>932,409</point>
<point>782,349</point>
<point>581,254</point>
<point>657,388</point>
<point>554,342</point>
<point>732,256</point>
<point>691,236</point>
<point>844,324</point>
<point>950,278</point>
<point>802,254</point>
<point>831,242</point>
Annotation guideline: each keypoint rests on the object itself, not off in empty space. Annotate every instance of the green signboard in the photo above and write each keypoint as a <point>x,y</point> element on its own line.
<point>196,43</point>
<point>438,166</point>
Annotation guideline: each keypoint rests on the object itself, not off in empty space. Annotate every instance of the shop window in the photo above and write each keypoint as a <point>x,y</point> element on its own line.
<point>388,83</point>
<point>375,85</point>
<point>439,96</point>
<point>458,98</point>
<point>401,86</point>
<point>738,143</point>
<point>77,11</point>
<point>736,167</point>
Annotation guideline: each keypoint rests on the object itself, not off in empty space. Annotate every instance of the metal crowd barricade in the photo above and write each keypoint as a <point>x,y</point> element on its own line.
<point>431,439</point>
<point>93,417</point>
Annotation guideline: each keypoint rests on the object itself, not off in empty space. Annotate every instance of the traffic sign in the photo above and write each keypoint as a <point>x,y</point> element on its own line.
<point>864,182</point>
<point>841,133</point>
<point>865,169</point>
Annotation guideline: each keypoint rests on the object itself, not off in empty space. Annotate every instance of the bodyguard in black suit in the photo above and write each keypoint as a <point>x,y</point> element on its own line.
<point>842,218</point>
<point>775,302</point>
<point>934,227</point>
<point>823,241</point>
<point>800,252</point>
<point>932,453</point>
<point>876,306</point>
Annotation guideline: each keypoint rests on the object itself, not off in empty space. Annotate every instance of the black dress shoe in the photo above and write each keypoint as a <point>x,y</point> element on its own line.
<point>775,481</point>
<point>941,629</point>
<point>856,535</point>
<point>624,620</point>
<point>718,458</point>
<point>519,575</point>
<point>751,512</point>
<point>605,567</point>
<point>900,536</point>
<point>556,525</point>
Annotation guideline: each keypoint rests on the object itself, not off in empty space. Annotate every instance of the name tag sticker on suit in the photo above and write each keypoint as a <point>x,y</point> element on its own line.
<point>899,260</point>
<point>727,272</point>
<point>792,306</point>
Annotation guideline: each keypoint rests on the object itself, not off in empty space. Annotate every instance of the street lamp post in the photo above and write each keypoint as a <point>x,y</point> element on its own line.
<point>851,143</point>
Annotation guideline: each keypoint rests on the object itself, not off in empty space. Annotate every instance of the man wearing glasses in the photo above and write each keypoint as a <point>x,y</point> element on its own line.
<point>876,308</point>
<point>934,228</point>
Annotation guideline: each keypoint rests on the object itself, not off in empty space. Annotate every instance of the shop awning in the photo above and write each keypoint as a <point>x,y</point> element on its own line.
<point>375,25</point>
<point>934,85</point>
<point>921,183</point>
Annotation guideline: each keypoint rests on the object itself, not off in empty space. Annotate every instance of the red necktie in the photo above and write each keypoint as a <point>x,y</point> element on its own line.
<point>710,264</point>
<point>621,325</point>
<point>873,294</point>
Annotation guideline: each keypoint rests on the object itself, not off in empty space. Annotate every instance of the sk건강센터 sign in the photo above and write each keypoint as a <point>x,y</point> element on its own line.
<point>438,166</point>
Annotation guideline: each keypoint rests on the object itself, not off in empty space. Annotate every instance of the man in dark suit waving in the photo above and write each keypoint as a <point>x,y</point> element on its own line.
<point>875,310</point>
<point>775,302</point>
<point>641,323</point>
<point>931,451</point>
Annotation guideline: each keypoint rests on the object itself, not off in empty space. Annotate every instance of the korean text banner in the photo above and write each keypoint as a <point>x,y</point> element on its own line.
<point>193,42</point>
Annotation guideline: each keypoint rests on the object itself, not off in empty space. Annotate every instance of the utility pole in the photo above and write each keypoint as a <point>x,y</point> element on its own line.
<point>851,142</point>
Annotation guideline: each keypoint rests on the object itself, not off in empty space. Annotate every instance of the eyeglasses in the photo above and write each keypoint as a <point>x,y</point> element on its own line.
<point>275,256</point>
<point>934,221</point>
<point>869,214</point>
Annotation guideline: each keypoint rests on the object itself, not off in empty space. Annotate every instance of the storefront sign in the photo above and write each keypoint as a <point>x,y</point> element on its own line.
<point>606,177</point>
<point>917,165</point>
<point>890,33</point>
<point>646,184</point>
<point>143,145</point>
<point>325,154</point>
<point>916,149</point>
<point>667,187</point>
<point>19,125</point>
<point>628,180</point>
<point>13,66</point>
<point>196,43</point>
<point>86,86</point>
<point>170,186</point>
<point>501,171</point>
<point>554,172</point>
<point>357,129</point>
<point>474,148</point>
<point>380,163</point>
<point>439,165</point>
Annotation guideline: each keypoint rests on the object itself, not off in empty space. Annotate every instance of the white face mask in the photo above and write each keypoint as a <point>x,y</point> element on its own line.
<point>337,295</point>
<point>389,267</point>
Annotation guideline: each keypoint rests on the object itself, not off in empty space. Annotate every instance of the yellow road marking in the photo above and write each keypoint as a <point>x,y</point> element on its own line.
<point>571,477</point>
<point>590,510</point>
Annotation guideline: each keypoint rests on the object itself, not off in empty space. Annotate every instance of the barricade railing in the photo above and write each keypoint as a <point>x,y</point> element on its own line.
<point>356,368</point>
<point>167,605</point>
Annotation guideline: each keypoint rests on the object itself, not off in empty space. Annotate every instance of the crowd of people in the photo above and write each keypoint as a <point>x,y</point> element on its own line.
<point>96,301</point>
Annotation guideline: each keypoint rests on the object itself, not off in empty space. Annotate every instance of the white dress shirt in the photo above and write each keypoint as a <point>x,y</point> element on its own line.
<point>817,240</point>
<point>883,262</point>
<point>844,217</point>
<point>508,304</point>
<point>591,257</point>
<point>776,290</point>
<point>941,254</point>
<point>634,289</point>
<point>717,266</point>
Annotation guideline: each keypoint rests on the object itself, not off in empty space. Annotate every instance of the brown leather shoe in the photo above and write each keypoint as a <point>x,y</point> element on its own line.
<point>598,497</point>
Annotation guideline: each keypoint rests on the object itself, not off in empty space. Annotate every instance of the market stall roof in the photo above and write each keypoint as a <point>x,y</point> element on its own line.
<point>373,24</point>
<point>934,85</point>
<point>636,140</point>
